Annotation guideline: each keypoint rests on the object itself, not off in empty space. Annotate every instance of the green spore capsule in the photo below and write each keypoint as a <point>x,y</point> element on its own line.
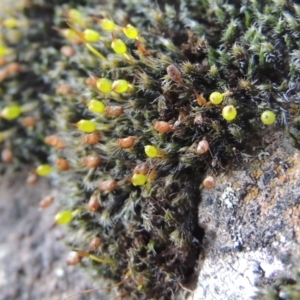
<point>107,24</point>
<point>131,32</point>
<point>119,46</point>
<point>138,179</point>
<point>268,117</point>
<point>3,50</point>
<point>10,23</point>
<point>63,217</point>
<point>120,86</point>
<point>43,170</point>
<point>96,106</point>
<point>11,112</point>
<point>151,151</point>
<point>229,112</point>
<point>216,98</point>
<point>104,85</point>
<point>91,35</point>
<point>86,126</point>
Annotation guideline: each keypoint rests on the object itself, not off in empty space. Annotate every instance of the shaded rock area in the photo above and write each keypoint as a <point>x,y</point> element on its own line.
<point>33,256</point>
<point>252,224</point>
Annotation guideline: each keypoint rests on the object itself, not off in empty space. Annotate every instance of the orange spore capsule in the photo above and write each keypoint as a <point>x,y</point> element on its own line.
<point>107,185</point>
<point>174,74</point>
<point>46,202</point>
<point>93,203</point>
<point>202,147</point>
<point>162,126</point>
<point>126,142</point>
<point>95,243</point>
<point>113,111</point>
<point>62,164</point>
<point>91,161</point>
<point>209,182</point>
<point>29,121</point>
<point>54,141</point>
<point>73,258</point>
<point>67,51</point>
<point>92,138</point>
<point>141,169</point>
<point>7,155</point>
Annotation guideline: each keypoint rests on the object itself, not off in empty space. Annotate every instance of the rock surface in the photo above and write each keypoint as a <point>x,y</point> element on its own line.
<point>32,256</point>
<point>252,224</point>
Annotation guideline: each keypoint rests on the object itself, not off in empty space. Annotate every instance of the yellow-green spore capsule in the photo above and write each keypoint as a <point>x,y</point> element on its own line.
<point>104,85</point>
<point>43,170</point>
<point>138,179</point>
<point>86,126</point>
<point>118,46</point>
<point>268,117</point>
<point>91,35</point>
<point>107,24</point>
<point>216,98</point>
<point>11,112</point>
<point>75,16</point>
<point>63,217</point>
<point>96,106</point>
<point>151,151</point>
<point>120,86</point>
<point>131,32</point>
<point>229,112</point>
<point>10,23</point>
<point>3,50</point>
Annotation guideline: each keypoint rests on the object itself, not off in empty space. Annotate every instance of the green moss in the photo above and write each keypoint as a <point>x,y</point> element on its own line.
<point>247,50</point>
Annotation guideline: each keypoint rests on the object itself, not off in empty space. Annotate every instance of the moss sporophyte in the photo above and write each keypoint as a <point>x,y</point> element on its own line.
<point>135,107</point>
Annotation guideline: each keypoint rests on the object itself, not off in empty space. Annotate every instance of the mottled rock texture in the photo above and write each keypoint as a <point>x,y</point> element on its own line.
<point>252,222</point>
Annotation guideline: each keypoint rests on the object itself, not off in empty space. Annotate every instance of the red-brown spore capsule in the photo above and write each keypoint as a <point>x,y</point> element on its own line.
<point>126,142</point>
<point>202,147</point>
<point>92,82</point>
<point>55,142</point>
<point>7,155</point>
<point>174,74</point>
<point>62,164</point>
<point>93,203</point>
<point>64,89</point>
<point>209,182</point>
<point>32,179</point>
<point>29,121</point>
<point>67,51</point>
<point>92,138</point>
<point>114,111</point>
<point>162,126</point>
<point>95,243</point>
<point>141,169</point>
<point>107,185</point>
<point>46,202</point>
<point>91,161</point>
<point>73,258</point>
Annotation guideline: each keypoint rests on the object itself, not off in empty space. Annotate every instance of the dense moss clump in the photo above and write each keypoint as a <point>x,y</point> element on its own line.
<point>25,119</point>
<point>150,104</point>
